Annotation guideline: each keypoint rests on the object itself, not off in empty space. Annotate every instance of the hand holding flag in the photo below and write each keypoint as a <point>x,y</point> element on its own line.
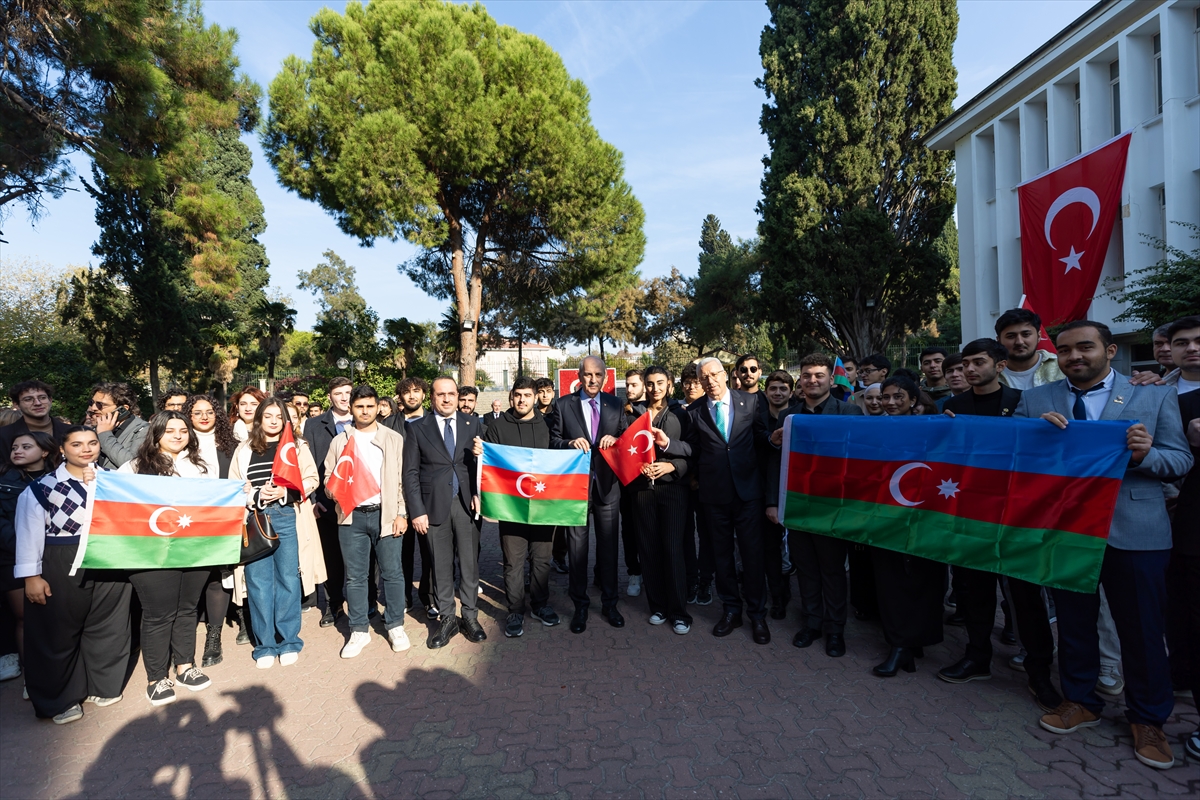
<point>285,471</point>
<point>351,481</point>
<point>631,451</point>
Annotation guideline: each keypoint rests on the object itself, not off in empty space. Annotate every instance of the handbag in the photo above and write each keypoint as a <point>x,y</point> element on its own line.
<point>258,541</point>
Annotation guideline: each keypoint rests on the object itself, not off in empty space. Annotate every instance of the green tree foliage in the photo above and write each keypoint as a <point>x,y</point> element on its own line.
<point>299,351</point>
<point>270,323</point>
<point>63,364</point>
<point>852,201</point>
<point>31,293</point>
<point>412,347</point>
<point>1166,291</point>
<point>346,327</point>
<point>429,121</point>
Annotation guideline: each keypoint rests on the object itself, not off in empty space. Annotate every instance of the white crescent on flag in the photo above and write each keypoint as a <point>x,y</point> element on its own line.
<point>283,454</point>
<point>1076,194</point>
<point>158,512</point>
<point>649,440</point>
<point>338,465</point>
<point>894,483</point>
<point>520,478</point>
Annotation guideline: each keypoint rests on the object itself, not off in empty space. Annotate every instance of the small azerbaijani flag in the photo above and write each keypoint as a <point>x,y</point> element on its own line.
<point>153,522</point>
<point>840,376</point>
<point>1015,496</point>
<point>533,486</point>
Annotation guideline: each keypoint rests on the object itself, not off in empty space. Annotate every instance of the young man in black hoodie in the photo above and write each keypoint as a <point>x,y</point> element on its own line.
<point>523,426</point>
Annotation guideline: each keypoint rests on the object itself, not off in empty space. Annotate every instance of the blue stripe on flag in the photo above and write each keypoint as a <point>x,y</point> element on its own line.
<point>157,490</point>
<point>536,461</point>
<point>1011,445</point>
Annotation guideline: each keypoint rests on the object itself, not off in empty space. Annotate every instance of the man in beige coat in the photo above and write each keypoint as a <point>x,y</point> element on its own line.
<point>377,523</point>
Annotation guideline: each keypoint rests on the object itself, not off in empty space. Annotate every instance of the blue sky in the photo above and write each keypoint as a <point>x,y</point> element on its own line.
<point>672,86</point>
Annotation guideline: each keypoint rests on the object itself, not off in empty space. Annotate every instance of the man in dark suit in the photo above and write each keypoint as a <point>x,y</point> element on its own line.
<point>983,363</point>
<point>439,491</point>
<point>1183,574</point>
<point>820,560</point>
<point>320,431</point>
<point>726,433</point>
<point>586,421</point>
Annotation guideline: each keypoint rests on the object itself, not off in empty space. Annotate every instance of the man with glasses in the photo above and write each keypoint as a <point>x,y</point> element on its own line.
<point>873,369</point>
<point>300,403</point>
<point>33,398</point>
<point>172,400</point>
<point>748,371</point>
<point>120,430</point>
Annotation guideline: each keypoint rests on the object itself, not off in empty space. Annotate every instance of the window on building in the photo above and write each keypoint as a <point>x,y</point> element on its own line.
<point>1114,85</point>
<point>1078,122</point>
<point>1198,50</point>
<point>1162,216</point>
<point>1158,86</point>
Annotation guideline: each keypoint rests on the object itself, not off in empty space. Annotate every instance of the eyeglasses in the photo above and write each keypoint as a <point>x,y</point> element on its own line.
<point>747,369</point>
<point>100,404</point>
<point>199,413</point>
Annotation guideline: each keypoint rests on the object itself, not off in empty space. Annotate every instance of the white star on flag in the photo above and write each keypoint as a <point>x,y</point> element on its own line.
<point>539,487</point>
<point>948,488</point>
<point>633,450</point>
<point>1072,260</point>
<point>184,520</point>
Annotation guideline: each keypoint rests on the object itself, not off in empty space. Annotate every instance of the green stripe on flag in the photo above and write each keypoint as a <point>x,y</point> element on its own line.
<point>1055,558</point>
<point>144,552</point>
<point>508,508</point>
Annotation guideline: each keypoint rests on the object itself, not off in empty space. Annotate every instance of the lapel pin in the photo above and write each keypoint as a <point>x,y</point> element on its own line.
<point>1119,399</point>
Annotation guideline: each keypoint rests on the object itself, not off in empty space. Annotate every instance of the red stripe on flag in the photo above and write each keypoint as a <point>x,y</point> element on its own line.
<point>1025,500</point>
<point>172,522</point>
<point>553,487</point>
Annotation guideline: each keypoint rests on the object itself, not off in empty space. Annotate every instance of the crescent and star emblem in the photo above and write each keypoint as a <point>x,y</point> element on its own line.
<point>283,454</point>
<point>538,486</point>
<point>338,465</point>
<point>947,488</point>
<point>633,451</point>
<point>1077,194</point>
<point>184,521</point>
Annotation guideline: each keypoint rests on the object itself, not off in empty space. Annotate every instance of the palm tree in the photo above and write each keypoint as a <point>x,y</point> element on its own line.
<point>270,322</point>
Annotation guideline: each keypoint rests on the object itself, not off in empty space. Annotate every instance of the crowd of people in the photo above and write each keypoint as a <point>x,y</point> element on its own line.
<point>702,520</point>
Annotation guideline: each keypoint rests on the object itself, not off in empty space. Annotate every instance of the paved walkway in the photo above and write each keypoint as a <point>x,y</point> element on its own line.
<point>623,713</point>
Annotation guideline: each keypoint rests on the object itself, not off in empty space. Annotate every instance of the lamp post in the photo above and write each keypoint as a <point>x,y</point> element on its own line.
<point>343,363</point>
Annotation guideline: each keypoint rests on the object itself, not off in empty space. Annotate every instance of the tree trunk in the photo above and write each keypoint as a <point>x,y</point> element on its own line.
<point>520,351</point>
<point>154,390</point>
<point>271,371</point>
<point>462,296</point>
<point>600,341</point>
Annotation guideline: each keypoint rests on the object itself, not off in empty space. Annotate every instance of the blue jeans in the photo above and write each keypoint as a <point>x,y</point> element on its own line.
<point>356,540</point>
<point>273,590</point>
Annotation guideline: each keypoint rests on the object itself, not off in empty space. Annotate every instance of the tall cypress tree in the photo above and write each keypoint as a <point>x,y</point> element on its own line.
<point>852,199</point>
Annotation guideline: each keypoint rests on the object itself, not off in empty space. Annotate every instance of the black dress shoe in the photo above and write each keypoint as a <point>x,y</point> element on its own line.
<point>966,670</point>
<point>957,618</point>
<point>579,621</point>
<point>725,626</point>
<point>444,634</point>
<point>779,611</point>
<point>805,637</point>
<point>614,617</point>
<point>472,630</point>
<point>901,658</point>
<point>760,631</point>
<point>328,619</point>
<point>835,645</point>
<point>1044,692</point>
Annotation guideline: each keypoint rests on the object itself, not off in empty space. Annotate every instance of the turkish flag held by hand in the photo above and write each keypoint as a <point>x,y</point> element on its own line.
<point>632,450</point>
<point>1067,217</point>
<point>351,481</point>
<point>285,471</point>
<point>1044,342</point>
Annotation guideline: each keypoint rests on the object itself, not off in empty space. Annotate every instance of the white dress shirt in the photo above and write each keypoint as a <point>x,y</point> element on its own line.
<point>1095,400</point>
<point>724,401</point>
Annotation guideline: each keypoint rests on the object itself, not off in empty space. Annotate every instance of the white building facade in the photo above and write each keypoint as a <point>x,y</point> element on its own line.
<point>500,363</point>
<point>1124,65</point>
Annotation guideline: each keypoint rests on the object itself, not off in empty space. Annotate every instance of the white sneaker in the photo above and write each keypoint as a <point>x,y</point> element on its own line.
<point>358,640</point>
<point>682,627</point>
<point>266,662</point>
<point>399,639</point>
<point>10,667</point>
<point>635,585</point>
<point>1110,683</point>
<point>103,702</point>
<point>72,714</point>
<point>658,618</point>
<point>287,659</point>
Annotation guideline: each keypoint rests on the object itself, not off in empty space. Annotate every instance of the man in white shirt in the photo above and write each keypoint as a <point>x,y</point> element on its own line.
<point>1018,329</point>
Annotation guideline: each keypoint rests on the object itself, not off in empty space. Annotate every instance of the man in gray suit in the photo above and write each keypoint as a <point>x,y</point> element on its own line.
<point>1139,542</point>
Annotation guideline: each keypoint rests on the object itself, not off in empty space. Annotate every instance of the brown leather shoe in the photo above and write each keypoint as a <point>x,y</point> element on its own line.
<point>1068,718</point>
<point>1151,747</point>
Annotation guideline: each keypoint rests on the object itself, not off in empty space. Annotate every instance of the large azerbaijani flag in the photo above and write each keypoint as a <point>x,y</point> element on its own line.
<point>536,487</point>
<point>1018,497</point>
<point>150,522</point>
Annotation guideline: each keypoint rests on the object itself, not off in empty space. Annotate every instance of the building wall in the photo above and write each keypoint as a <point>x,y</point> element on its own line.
<point>1048,127</point>
<point>502,362</point>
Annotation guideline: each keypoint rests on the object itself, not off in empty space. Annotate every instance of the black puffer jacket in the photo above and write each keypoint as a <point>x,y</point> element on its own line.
<point>12,482</point>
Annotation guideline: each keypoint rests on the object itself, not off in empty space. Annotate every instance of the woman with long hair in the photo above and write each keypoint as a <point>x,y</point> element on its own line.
<point>217,443</point>
<point>910,588</point>
<point>169,597</point>
<point>275,584</point>
<point>33,455</point>
<point>661,504</point>
<point>77,626</point>
<point>242,405</point>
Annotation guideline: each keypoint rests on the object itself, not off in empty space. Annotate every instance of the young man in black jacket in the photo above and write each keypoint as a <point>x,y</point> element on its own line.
<point>523,426</point>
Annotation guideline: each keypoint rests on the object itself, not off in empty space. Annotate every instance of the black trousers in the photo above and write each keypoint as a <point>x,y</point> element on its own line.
<point>169,599</point>
<point>820,563</point>
<point>605,520</point>
<point>520,542</point>
<point>662,512</point>
<point>629,534</point>
<point>911,591</point>
<point>777,585</point>
<point>697,544</point>
<point>335,570</point>
<point>216,599</point>
<point>1183,620</point>
<point>559,549</point>
<point>426,592</point>
<point>77,644</point>
<point>743,522</point>
<point>863,595</point>
<point>976,592</point>
<point>457,532</point>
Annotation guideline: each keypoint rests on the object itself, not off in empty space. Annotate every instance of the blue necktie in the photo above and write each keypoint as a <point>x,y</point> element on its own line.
<point>448,437</point>
<point>1080,410</point>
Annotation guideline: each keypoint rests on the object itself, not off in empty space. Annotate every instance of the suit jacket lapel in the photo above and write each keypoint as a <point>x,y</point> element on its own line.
<point>1122,392</point>
<point>706,414</point>
<point>1064,401</point>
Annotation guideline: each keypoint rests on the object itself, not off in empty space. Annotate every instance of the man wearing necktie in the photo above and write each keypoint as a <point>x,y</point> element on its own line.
<point>439,489</point>
<point>1133,573</point>
<point>588,420</point>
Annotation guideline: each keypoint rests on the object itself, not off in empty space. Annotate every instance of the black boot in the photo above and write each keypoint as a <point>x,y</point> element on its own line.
<point>212,647</point>
<point>243,622</point>
<point>901,658</point>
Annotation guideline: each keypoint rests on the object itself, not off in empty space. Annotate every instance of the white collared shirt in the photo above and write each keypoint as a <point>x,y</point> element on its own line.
<point>1095,400</point>
<point>441,425</point>
<point>586,404</point>
<point>726,401</point>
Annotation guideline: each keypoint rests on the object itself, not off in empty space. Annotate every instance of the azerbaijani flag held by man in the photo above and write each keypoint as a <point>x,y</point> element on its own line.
<point>536,487</point>
<point>1015,496</point>
<point>151,521</point>
<point>840,376</point>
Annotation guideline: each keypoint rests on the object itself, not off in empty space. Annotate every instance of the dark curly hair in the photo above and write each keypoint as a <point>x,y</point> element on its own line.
<point>226,441</point>
<point>151,460</point>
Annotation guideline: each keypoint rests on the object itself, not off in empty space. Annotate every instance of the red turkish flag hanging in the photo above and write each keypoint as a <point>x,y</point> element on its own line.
<point>351,481</point>
<point>286,469</point>
<point>634,448</point>
<point>1067,217</point>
